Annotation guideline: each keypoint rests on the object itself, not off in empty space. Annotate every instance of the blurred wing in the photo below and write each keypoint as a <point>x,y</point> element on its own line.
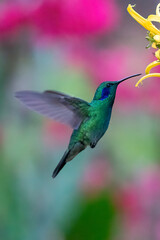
<point>55,105</point>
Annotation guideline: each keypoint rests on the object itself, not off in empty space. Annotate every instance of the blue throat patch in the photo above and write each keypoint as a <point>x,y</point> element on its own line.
<point>105,93</point>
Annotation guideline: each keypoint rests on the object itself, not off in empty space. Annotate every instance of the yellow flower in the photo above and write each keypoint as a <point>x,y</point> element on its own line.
<point>153,37</point>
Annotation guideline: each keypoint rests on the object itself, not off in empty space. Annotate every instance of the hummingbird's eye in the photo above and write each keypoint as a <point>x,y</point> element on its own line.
<point>108,85</point>
<point>105,93</point>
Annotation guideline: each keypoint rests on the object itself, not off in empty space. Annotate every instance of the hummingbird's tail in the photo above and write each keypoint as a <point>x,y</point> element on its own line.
<point>61,164</point>
<point>69,154</point>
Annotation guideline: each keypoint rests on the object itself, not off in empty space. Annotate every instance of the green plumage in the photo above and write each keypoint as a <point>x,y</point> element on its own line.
<point>89,120</point>
<point>96,122</point>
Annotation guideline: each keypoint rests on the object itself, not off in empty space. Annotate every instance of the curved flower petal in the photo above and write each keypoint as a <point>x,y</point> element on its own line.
<point>153,18</point>
<point>143,21</point>
<point>154,45</point>
<point>151,65</point>
<point>157,54</point>
<point>147,76</point>
<point>158,9</point>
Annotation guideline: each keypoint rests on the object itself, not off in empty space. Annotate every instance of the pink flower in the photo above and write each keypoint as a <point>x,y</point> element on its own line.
<point>12,18</point>
<point>76,17</point>
<point>60,17</point>
<point>130,204</point>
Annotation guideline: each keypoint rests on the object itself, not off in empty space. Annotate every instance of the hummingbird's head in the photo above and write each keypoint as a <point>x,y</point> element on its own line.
<point>107,90</point>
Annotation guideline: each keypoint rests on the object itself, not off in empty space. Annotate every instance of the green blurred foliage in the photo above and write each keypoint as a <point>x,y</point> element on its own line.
<point>96,219</point>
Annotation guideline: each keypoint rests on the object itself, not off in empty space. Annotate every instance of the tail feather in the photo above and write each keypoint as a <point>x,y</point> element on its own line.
<point>61,164</point>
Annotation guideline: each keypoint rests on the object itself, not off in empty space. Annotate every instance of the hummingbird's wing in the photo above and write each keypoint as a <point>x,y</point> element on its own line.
<point>55,105</point>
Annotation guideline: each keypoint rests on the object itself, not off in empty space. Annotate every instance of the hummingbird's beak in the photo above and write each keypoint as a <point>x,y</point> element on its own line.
<point>135,75</point>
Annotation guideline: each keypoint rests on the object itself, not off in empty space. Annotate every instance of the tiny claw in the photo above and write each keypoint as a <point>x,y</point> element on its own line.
<point>92,145</point>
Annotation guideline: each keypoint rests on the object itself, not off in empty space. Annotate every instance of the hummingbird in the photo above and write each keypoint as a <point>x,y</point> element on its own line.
<point>89,121</point>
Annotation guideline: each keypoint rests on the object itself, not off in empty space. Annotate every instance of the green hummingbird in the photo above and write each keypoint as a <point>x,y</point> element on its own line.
<point>88,120</point>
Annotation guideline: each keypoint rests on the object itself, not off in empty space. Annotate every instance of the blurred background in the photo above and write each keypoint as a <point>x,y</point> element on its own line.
<point>111,192</point>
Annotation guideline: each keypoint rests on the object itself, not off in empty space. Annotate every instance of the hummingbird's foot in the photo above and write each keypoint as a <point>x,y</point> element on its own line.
<point>82,143</point>
<point>92,145</point>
